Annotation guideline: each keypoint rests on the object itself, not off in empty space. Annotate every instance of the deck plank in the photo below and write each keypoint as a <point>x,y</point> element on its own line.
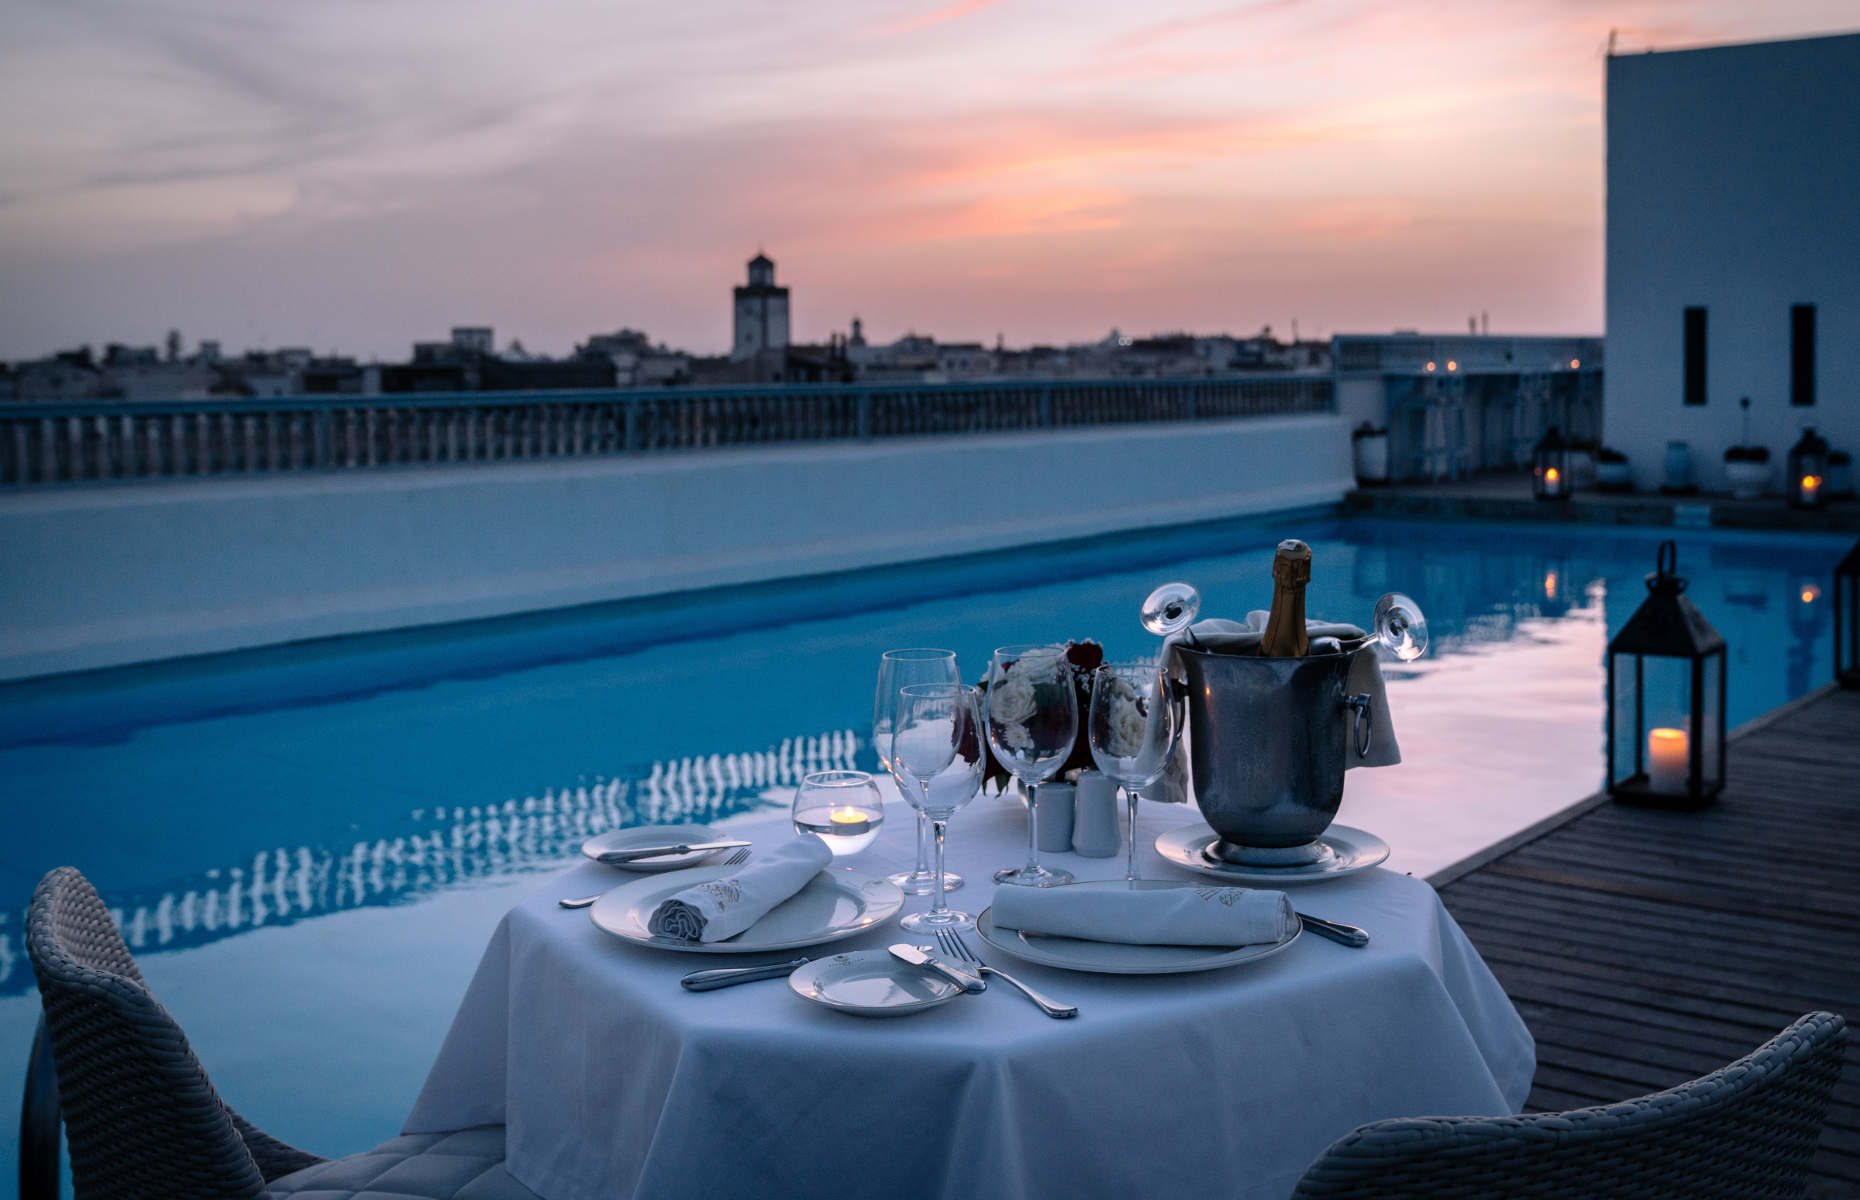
<point>1645,947</point>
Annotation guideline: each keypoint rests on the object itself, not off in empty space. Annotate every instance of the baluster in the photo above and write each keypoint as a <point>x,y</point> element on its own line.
<point>250,423</point>
<point>106,456</point>
<point>20,467</point>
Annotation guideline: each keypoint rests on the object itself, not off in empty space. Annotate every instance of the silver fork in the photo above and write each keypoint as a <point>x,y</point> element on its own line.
<point>956,948</point>
<point>735,860</point>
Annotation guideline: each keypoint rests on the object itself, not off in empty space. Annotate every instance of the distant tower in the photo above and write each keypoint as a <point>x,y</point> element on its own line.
<point>858,333</point>
<point>761,312</point>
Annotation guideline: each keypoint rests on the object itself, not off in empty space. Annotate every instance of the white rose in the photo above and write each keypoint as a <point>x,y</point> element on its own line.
<point>1010,700</point>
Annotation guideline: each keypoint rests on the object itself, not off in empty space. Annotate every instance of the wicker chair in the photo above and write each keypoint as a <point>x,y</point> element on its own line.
<point>1744,1132</point>
<point>141,1116</point>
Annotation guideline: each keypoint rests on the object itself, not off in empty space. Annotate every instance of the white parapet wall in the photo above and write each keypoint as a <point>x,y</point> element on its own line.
<point>108,574</point>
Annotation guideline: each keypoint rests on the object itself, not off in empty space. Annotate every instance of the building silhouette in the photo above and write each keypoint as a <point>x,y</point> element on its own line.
<point>761,312</point>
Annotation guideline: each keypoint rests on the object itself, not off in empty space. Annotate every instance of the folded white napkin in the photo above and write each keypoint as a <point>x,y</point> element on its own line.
<point>721,908</point>
<point>1180,916</point>
<point>1221,636</point>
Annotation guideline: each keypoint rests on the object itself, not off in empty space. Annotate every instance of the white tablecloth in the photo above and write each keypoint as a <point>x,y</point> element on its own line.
<point>615,1082</point>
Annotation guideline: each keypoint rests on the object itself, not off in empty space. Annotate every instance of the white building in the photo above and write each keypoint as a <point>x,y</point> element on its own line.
<point>1733,251</point>
<point>760,312</point>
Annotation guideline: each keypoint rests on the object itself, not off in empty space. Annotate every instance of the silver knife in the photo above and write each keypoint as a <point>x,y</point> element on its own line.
<point>905,952</point>
<point>1336,931</point>
<point>722,977</point>
<point>634,853</point>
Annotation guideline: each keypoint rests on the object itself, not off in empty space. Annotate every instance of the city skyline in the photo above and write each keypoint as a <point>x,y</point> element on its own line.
<point>356,180</point>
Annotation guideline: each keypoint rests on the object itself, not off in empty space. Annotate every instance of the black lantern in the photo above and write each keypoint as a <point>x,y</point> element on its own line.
<point>1666,698</point>
<point>1847,619</point>
<point>1550,467</point>
<point>1808,471</point>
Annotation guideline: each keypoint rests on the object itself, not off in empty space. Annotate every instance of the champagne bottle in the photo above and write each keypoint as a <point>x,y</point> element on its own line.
<point>1285,628</point>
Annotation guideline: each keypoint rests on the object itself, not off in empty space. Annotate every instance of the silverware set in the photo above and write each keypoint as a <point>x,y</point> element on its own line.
<point>953,945</point>
<point>735,860</point>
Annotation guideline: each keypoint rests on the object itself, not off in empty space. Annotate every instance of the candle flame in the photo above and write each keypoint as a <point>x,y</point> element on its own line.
<point>1675,736</point>
<point>1810,482</point>
<point>846,816</point>
<point>1810,593</point>
<point>1550,475</point>
<point>1452,366</point>
<point>1575,364</point>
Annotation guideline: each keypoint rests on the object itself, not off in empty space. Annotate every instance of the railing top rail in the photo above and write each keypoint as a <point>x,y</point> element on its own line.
<point>342,402</point>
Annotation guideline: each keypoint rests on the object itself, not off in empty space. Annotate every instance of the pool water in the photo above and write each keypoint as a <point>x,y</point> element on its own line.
<point>308,846</point>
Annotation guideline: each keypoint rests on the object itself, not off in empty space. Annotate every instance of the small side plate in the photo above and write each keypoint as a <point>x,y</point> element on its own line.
<point>653,835</point>
<point>870,983</point>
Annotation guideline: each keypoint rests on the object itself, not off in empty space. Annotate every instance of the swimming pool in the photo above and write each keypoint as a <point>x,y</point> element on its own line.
<point>309,845</point>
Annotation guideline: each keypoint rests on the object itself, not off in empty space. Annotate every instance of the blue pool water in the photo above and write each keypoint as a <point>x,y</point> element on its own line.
<point>309,845</point>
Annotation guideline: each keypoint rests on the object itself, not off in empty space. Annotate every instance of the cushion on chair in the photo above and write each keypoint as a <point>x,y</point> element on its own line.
<point>468,1165</point>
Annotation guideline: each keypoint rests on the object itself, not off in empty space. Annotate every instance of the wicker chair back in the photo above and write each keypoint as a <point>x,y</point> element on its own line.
<point>141,1117</point>
<point>1744,1132</point>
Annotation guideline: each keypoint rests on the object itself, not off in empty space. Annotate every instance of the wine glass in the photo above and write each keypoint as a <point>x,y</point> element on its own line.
<point>845,808</point>
<point>1033,721</point>
<point>1132,729</point>
<point>937,745</point>
<point>1400,627</point>
<point>898,669</point>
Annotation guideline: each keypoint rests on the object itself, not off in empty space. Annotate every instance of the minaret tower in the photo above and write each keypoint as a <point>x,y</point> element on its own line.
<point>761,312</point>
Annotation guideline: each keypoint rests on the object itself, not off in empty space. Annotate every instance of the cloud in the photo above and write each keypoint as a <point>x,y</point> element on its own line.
<point>927,20</point>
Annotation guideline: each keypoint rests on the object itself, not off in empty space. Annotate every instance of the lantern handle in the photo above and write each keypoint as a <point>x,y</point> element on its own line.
<point>1668,561</point>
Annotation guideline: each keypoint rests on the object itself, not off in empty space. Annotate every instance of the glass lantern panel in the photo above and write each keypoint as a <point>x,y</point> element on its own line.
<point>1623,736</point>
<point>1711,732</point>
<point>1666,693</point>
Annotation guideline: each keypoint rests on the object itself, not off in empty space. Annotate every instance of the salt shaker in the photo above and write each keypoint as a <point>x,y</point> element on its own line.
<point>1094,816</point>
<point>1055,801</point>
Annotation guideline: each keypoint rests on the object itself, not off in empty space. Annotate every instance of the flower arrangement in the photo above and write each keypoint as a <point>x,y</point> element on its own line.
<point>1018,697</point>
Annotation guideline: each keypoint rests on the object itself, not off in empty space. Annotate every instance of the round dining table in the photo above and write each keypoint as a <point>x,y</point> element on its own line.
<point>615,1082</point>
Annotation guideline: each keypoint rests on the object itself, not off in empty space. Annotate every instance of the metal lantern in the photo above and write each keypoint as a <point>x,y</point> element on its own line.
<point>1666,688</point>
<point>1808,471</point>
<point>1847,619</point>
<point>1550,467</point>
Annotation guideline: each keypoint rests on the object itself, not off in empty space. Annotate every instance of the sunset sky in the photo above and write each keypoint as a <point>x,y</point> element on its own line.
<point>357,174</point>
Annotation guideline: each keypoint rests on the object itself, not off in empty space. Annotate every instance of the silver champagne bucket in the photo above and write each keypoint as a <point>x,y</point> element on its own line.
<point>1269,740</point>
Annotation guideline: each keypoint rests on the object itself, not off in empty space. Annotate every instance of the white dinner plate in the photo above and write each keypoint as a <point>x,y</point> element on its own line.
<point>1119,958</point>
<point>654,835</point>
<point>837,903</point>
<point>1351,850</point>
<point>871,983</point>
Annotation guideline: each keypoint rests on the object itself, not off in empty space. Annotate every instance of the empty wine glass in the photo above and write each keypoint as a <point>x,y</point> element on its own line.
<point>1033,722</point>
<point>937,746</point>
<point>1400,627</point>
<point>898,669</point>
<point>1132,729</point>
<point>1171,608</point>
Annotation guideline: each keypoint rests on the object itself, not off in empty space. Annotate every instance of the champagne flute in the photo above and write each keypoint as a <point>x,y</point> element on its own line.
<point>1132,729</point>
<point>937,745</point>
<point>1033,722</point>
<point>898,669</point>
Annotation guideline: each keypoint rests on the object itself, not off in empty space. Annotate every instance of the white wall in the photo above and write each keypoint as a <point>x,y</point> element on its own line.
<point>1733,183</point>
<point>99,575</point>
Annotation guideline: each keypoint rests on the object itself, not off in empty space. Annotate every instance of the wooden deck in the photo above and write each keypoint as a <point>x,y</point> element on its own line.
<point>1647,947</point>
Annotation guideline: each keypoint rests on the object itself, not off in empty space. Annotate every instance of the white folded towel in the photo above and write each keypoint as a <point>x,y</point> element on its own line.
<point>1220,636</point>
<point>722,908</point>
<point>1189,915</point>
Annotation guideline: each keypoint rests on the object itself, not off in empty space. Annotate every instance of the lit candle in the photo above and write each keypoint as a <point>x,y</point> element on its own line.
<point>848,821</point>
<point>1550,476</point>
<point>1668,761</point>
<point>1811,484</point>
